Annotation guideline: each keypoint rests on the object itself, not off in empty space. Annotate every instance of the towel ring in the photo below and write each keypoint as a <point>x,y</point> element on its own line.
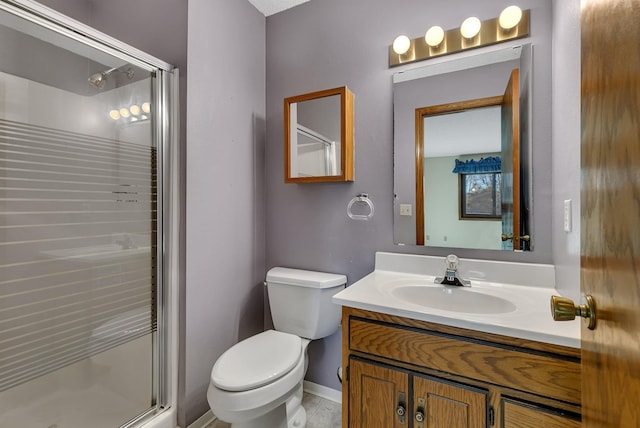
<point>361,197</point>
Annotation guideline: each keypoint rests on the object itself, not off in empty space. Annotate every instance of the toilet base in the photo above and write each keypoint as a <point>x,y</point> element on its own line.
<point>277,418</point>
<point>290,414</point>
<point>296,414</point>
<point>298,419</point>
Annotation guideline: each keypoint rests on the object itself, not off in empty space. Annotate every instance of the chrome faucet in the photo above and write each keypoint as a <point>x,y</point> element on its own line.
<point>451,276</point>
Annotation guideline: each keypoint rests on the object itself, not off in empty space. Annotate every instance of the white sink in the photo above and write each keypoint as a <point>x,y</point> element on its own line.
<point>505,298</point>
<point>452,299</point>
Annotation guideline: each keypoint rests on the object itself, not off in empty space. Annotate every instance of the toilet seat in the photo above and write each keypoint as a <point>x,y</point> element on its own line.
<point>257,361</point>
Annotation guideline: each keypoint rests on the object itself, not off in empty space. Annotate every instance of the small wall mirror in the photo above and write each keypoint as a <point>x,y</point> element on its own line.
<point>462,154</point>
<point>318,136</point>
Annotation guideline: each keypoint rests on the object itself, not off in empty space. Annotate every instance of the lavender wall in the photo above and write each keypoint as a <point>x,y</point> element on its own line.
<point>566,143</point>
<point>329,43</point>
<point>225,188</point>
<point>80,10</point>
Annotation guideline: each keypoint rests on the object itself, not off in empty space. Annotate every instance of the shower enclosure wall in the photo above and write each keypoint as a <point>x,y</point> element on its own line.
<point>87,226</point>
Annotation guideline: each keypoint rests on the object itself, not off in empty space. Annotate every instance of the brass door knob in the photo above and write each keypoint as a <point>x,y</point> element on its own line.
<point>505,237</point>
<point>563,309</point>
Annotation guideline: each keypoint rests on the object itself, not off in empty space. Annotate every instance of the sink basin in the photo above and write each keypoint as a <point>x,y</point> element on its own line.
<point>453,299</point>
<point>505,298</point>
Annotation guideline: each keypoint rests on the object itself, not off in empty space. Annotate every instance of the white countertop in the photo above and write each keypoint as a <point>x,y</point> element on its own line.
<point>529,318</point>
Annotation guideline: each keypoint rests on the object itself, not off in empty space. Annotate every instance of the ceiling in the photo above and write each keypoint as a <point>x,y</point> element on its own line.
<point>269,7</point>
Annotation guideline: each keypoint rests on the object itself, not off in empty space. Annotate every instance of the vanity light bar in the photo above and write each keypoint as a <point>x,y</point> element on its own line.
<point>452,41</point>
<point>133,113</point>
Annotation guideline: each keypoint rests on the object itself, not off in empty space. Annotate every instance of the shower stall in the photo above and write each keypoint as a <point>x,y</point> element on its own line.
<point>87,226</point>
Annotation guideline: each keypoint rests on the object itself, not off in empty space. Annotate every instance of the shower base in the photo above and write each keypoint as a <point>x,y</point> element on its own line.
<point>84,394</point>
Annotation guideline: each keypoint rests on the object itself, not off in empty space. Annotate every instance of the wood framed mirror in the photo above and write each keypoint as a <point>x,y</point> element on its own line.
<point>445,93</point>
<point>318,136</point>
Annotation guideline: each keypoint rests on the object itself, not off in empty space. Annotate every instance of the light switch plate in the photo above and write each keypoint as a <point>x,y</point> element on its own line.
<point>567,215</point>
<point>406,209</point>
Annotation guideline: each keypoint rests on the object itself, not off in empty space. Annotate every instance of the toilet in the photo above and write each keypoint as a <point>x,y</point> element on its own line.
<point>258,381</point>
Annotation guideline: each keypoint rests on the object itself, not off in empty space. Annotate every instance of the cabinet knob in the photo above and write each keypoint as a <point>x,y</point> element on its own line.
<point>419,416</point>
<point>401,410</point>
<point>563,309</point>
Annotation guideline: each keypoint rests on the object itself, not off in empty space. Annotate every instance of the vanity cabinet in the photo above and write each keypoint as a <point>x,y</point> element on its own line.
<point>379,393</point>
<point>433,401</point>
<point>407,373</point>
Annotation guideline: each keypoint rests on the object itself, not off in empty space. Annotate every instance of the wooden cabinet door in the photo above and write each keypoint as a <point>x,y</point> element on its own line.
<point>446,404</point>
<point>521,415</point>
<point>375,394</point>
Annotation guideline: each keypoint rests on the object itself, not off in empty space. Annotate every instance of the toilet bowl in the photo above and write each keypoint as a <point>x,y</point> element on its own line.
<point>258,381</point>
<point>269,387</point>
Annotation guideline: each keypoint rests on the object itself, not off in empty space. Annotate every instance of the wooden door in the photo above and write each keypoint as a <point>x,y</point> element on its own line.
<point>510,191</point>
<point>610,211</point>
<point>376,393</point>
<point>445,404</point>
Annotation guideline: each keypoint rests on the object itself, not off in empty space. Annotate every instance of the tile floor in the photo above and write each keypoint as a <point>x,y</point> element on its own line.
<point>321,413</point>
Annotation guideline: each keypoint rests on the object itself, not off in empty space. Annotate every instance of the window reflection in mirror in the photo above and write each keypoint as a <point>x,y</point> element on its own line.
<point>455,114</point>
<point>480,196</point>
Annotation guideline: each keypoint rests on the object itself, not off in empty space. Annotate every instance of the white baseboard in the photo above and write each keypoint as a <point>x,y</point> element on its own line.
<point>203,420</point>
<point>323,391</point>
<point>310,387</point>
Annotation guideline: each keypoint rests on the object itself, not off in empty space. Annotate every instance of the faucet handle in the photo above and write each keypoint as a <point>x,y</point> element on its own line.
<point>451,276</point>
<point>452,262</point>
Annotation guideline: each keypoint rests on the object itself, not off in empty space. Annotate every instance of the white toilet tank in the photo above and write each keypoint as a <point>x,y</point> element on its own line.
<point>300,301</point>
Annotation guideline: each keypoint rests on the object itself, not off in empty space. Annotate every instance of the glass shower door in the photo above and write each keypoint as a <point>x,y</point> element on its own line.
<point>78,232</point>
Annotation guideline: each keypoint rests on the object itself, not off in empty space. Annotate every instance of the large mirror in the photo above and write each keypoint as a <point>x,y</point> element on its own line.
<point>462,153</point>
<point>319,136</point>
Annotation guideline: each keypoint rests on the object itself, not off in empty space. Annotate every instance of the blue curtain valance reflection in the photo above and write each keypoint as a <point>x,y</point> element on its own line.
<point>482,166</point>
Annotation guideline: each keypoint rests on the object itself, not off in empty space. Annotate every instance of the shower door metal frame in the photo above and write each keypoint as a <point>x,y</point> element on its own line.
<point>165,136</point>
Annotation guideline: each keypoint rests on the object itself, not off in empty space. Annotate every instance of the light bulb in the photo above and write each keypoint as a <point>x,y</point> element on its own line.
<point>134,109</point>
<point>114,114</point>
<point>510,17</point>
<point>146,107</point>
<point>401,45</point>
<point>434,36</point>
<point>470,27</point>
<point>124,112</point>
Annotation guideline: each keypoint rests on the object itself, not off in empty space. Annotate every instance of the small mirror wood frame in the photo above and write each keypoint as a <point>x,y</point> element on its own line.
<point>337,163</point>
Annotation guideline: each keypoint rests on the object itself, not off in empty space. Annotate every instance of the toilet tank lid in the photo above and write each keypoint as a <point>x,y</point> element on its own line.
<point>305,278</point>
